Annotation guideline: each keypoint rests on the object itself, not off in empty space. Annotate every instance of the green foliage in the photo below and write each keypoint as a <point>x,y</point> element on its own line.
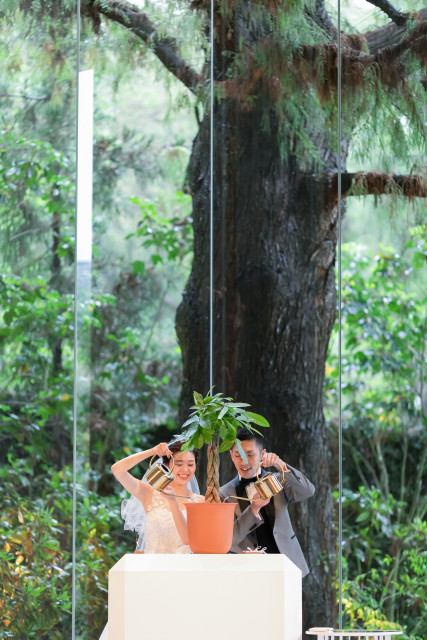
<point>36,190</point>
<point>35,553</point>
<point>218,418</point>
<point>384,378</point>
<point>385,564</point>
<point>36,392</point>
<point>39,71</point>
<point>126,336</point>
<point>170,239</point>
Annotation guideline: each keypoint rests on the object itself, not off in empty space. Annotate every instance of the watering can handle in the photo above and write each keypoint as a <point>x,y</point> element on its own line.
<point>151,461</point>
<point>283,473</point>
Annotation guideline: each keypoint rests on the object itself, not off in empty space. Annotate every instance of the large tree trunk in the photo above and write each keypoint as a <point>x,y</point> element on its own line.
<point>274,308</point>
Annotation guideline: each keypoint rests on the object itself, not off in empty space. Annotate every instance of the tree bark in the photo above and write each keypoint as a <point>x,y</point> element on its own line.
<point>275,234</point>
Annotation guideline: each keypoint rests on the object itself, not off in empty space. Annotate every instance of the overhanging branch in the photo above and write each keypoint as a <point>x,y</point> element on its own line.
<point>166,49</point>
<point>390,34</point>
<point>379,183</point>
<point>320,63</point>
<point>394,14</point>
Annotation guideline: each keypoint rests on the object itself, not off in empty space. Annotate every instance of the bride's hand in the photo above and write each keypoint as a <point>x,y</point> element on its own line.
<point>161,450</point>
<point>169,493</point>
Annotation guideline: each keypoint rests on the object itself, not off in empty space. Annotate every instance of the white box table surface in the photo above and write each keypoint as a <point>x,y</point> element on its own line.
<point>204,597</point>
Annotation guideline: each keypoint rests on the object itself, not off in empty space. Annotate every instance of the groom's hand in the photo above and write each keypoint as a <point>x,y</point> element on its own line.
<point>273,460</point>
<point>258,503</point>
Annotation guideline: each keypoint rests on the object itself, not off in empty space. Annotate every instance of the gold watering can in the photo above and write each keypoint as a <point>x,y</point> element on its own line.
<point>268,485</point>
<point>159,476</point>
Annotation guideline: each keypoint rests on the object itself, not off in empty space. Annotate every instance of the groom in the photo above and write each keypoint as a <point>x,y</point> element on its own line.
<point>265,523</point>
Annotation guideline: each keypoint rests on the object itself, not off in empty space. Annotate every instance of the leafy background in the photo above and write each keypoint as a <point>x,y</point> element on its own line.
<point>127,348</point>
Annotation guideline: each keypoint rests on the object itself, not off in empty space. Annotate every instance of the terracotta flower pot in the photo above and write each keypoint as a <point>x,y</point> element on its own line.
<point>210,526</point>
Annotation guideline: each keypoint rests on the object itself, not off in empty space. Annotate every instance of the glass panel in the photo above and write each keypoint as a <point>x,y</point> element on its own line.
<point>275,235</point>
<point>37,195</point>
<point>384,329</point>
<point>129,359</point>
<point>274,202</point>
<point>83,573</point>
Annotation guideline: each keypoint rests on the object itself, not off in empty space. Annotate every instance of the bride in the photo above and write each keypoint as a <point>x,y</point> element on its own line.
<point>159,518</point>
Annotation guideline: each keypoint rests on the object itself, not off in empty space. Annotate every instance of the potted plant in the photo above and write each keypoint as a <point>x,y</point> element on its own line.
<point>214,421</point>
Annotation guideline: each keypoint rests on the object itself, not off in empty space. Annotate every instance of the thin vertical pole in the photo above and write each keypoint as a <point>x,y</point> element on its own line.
<point>73,544</point>
<point>340,434</point>
<point>211,203</point>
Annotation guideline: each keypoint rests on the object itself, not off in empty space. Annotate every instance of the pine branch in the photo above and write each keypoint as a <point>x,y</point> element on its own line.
<point>415,41</point>
<point>165,48</point>
<point>379,183</point>
<point>390,34</point>
<point>394,14</point>
<point>320,62</point>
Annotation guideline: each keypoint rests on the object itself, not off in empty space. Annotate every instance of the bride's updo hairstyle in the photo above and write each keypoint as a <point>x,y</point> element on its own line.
<point>175,447</point>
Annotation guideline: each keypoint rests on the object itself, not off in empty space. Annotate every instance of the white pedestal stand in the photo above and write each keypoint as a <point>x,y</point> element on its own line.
<point>208,597</point>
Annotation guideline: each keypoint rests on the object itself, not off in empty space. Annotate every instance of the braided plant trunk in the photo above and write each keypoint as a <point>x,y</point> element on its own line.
<point>212,485</point>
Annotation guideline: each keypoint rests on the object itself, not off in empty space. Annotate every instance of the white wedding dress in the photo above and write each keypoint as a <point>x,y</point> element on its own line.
<point>161,535</point>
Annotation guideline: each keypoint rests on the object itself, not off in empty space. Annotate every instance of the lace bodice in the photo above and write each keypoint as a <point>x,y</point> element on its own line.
<point>161,535</point>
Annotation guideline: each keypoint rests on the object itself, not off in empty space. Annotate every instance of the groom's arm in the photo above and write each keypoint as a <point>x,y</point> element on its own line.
<point>247,521</point>
<point>244,524</point>
<point>296,486</point>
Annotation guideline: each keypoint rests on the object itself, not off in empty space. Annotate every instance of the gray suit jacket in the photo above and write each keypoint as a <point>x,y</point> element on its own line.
<point>296,487</point>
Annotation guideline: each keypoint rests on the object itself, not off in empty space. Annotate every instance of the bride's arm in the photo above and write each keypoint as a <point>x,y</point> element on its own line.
<point>178,516</point>
<point>140,490</point>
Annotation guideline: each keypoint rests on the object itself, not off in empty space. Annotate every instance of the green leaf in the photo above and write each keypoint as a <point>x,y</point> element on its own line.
<point>238,404</point>
<point>156,259</point>
<point>251,428</point>
<point>198,399</point>
<point>190,421</point>
<point>363,516</point>
<point>223,432</point>
<point>190,432</point>
<point>231,430</point>
<point>225,445</point>
<point>207,436</point>
<point>259,420</point>
<point>138,267</point>
<point>241,451</point>
<point>222,413</point>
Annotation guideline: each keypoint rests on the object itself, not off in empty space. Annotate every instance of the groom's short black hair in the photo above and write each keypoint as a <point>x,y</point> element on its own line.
<point>246,434</point>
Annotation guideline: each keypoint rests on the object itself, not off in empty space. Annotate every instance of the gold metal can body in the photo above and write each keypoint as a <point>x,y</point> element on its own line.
<point>268,486</point>
<point>159,476</point>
